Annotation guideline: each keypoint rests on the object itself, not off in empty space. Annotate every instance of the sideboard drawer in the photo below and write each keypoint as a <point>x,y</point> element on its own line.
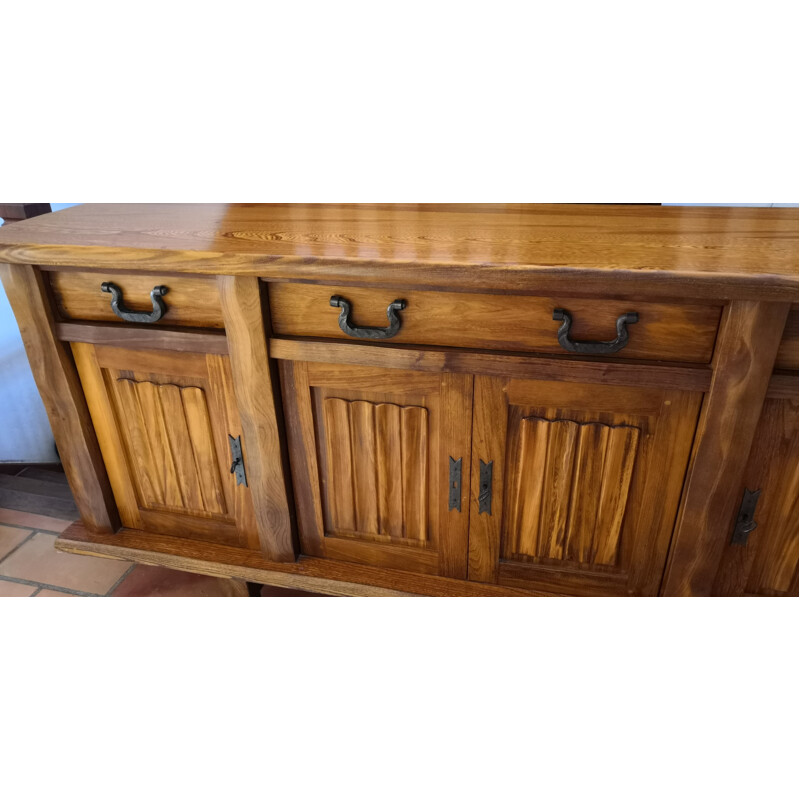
<point>664,331</point>
<point>188,301</point>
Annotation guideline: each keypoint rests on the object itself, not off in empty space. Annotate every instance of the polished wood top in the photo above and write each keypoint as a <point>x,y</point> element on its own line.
<point>723,252</point>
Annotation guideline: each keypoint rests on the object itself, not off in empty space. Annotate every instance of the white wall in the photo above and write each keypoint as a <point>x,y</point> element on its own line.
<point>24,430</point>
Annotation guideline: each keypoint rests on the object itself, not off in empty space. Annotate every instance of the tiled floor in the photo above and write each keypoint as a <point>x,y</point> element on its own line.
<point>30,566</point>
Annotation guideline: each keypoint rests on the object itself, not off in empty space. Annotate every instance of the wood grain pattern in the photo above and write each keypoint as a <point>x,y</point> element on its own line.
<point>783,386</point>
<point>490,413</point>
<point>200,435</point>
<point>224,408</point>
<point>668,332</point>
<point>314,574</point>
<point>748,342</point>
<point>455,437</point>
<point>414,458</point>
<point>258,410</point>
<point>768,563</point>
<point>99,393</point>
<point>789,349</point>
<point>369,453</point>
<point>340,464</point>
<point>377,468</point>
<point>163,435</point>
<point>388,437</point>
<point>572,490</point>
<point>428,359</point>
<point>133,337</point>
<point>590,456</point>
<point>362,443</point>
<point>186,474</point>
<point>62,395</point>
<point>191,301</point>
<point>675,251</point>
<point>303,461</point>
<point>602,465</point>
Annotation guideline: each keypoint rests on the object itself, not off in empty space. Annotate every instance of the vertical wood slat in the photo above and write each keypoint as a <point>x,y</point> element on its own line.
<point>181,447</point>
<point>378,467</point>
<point>258,400</point>
<point>589,460</point>
<point>556,483</point>
<point>201,439</point>
<point>572,489</point>
<point>340,464</point>
<point>388,446</point>
<point>156,428</point>
<point>618,465</point>
<point>747,344</point>
<point>531,468</point>
<point>63,397</point>
<point>362,450</point>
<point>415,472</point>
<point>169,432</point>
<point>133,427</point>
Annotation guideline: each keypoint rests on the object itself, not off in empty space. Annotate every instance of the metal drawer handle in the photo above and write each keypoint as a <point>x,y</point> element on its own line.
<point>159,306</point>
<point>337,301</point>
<point>593,348</point>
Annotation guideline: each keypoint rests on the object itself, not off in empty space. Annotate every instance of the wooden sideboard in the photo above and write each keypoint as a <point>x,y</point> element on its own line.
<point>424,399</point>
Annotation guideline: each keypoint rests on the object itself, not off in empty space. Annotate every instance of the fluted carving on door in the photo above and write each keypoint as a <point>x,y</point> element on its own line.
<point>377,468</point>
<point>571,490</point>
<point>168,434</point>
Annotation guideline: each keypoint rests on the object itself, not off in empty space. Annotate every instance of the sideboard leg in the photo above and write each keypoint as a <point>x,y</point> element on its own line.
<point>747,344</point>
<point>60,387</point>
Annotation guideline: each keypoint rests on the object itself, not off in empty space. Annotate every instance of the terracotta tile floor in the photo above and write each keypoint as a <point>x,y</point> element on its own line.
<point>30,566</point>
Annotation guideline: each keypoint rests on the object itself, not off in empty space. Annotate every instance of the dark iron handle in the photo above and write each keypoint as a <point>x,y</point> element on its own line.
<point>337,301</point>
<point>593,348</point>
<point>159,306</point>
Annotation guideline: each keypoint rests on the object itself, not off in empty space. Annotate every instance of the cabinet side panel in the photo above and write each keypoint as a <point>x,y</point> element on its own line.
<point>767,562</point>
<point>747,345</point>
<point>60,388</point>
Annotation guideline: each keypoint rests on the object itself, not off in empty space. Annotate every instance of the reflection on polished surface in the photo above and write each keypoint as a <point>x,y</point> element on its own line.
<point>678,252</point>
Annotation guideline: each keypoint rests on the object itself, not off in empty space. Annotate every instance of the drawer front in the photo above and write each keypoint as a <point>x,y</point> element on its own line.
<point>664,331</point>
<point>191,302</point>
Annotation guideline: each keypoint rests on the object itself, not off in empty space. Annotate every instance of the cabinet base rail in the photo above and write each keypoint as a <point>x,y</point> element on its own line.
<point>307,573</point>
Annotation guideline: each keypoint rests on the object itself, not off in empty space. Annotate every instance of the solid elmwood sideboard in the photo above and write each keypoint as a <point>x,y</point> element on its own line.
<point>416,399</point>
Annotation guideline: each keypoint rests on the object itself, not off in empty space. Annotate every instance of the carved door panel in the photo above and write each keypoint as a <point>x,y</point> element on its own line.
<point>575,486</point>
<point>763,561</point>
<point>371,452</point>
<point>163,420</point>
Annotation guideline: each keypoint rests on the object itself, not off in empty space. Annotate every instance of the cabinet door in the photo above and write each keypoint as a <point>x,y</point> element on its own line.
<point>162,420</point>
<point>584,485</point>
<point>371,452</point>
<point>764,562</point>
